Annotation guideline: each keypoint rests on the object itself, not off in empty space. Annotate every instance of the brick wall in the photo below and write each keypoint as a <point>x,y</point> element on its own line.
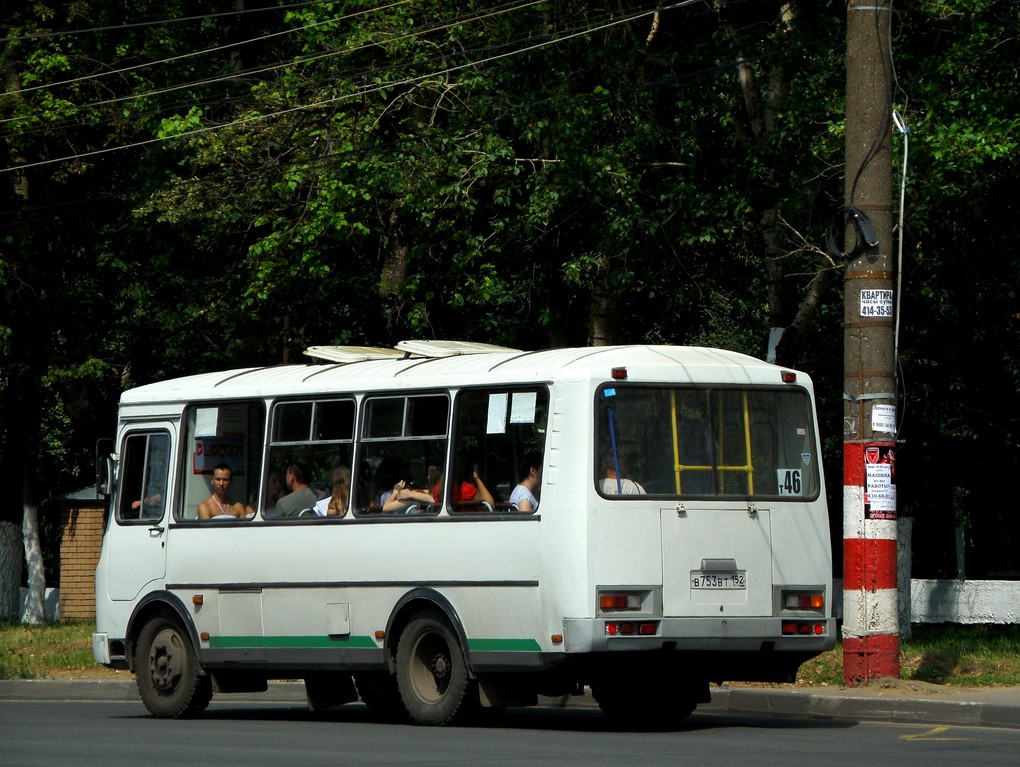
<point>81,538</point>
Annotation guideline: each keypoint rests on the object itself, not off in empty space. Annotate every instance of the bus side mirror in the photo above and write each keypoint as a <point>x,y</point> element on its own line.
<point>104,467</point>
<point>104,476</point>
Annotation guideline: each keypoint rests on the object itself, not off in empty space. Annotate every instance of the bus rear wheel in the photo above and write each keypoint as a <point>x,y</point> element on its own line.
<point>431,671</point>
<point>167,671</point>
<point>644,705</point>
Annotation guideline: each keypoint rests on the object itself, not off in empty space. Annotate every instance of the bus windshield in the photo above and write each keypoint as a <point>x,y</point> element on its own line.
<point>697,442</point>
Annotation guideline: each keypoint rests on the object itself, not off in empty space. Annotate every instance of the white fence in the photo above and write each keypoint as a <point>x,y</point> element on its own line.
<point>955,601</point>
<point>51,608</point>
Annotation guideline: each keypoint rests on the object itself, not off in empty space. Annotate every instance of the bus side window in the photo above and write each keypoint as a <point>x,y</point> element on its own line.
<point>494,430</point>
<point>403,442</point>
<point>144,472</point>
<point>228,434</point>
<point>317,436</point>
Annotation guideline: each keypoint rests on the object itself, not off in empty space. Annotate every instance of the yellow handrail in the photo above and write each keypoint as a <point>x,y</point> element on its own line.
<point>676,439</point>
<point>720,469</point>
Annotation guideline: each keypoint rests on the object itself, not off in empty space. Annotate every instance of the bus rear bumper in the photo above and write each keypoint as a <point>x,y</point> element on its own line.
<point>585,635</point>
<point>711,649</point>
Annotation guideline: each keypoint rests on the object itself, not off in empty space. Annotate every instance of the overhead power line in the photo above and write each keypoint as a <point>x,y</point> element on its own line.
<point>155,23</point>
<point>243,74</point>
<point>192,54</point>
<point>358,93</point>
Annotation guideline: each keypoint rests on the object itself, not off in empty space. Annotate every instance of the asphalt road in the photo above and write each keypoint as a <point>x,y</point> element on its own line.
<point>115,733</point>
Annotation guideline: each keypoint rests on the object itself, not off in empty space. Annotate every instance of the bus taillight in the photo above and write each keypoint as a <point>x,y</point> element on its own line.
<point>799,600</point>
<point>802,628</point>
<point>619,601</point>
<point>647,628</point>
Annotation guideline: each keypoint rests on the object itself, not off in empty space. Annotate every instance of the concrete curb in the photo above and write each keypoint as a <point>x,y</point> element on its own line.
<point>1003,711</point>
<point>972,708</point>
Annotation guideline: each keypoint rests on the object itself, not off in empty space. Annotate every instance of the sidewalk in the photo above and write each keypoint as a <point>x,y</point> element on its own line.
<point>889,700</point>
<point>883,701</point>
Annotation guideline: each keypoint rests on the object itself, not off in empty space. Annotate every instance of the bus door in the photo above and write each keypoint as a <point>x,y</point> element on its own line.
<point>139,528</point>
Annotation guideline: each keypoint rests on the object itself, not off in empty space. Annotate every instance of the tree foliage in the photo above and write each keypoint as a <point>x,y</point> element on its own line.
<point>191,187</point>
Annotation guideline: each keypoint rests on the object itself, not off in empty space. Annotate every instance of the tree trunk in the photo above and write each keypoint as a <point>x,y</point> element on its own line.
<point>788,349</point>
<point>393,275</point>
<point>602,327</point>
<point>394,268</point>
<point>10,531</point>
<point>904,530</point>
<point>773,272</point>
<point>34,613</point>
<point>10,571</point>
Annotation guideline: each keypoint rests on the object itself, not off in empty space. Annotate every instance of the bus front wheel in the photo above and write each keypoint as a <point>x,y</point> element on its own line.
<point>431,671</point>
<point>167,671</point>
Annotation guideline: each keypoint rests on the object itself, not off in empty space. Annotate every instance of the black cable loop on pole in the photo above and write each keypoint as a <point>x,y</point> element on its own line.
<point>864,233</point>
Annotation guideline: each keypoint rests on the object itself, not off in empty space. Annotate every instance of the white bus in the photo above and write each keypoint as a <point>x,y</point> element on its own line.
<point>680,538</point>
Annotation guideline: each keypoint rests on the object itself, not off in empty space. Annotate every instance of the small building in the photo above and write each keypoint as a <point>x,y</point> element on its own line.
<point>82,517</point>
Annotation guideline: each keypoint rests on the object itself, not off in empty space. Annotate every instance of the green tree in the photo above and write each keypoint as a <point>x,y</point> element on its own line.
<point>526,173</point>
<point>85,306</point>
<point>960,321</point>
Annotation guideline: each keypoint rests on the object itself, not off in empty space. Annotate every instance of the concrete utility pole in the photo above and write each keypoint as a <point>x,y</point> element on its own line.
<point>870,620</point>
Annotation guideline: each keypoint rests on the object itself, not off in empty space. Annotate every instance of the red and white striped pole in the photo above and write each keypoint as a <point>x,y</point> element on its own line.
<point>870,594</point>
<point>871,643</point>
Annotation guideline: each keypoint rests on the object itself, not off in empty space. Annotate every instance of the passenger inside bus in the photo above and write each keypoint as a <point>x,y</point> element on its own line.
<point>525,496</point>
<point>274,491</point>
<point>612,471</point>
<point>387,474</point>
<point>301,496</point>
<point>404,499</point>
<point>218,505</point>
<point>468,491</point>
<point>339,500</point>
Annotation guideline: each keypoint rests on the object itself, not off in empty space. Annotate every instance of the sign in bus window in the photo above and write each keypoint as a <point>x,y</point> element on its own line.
<point>522,409</point>
<point>790,482</point>
<point>496,421</point>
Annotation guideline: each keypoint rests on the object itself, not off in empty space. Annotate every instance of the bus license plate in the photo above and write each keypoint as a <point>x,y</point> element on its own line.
<point>712,581</point>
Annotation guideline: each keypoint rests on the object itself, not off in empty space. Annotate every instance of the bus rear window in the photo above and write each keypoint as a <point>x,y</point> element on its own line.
<point>705,442</point>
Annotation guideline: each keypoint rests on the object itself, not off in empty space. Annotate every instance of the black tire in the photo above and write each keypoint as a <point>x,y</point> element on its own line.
<point>167,671</point>
<point>378,690</point>
<point>640,707</point>
<point>432,674</point>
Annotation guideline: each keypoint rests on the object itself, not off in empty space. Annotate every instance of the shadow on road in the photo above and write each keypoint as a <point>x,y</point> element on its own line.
<point>537,719</point>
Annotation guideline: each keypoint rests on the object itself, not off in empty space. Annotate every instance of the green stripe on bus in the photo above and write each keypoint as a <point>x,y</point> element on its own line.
<point>503,645</point>
<point>358,642</point>
<point>235,642</point>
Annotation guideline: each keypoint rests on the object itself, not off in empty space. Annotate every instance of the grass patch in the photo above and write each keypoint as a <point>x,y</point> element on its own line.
<point>951,654</point>
<point>53,651</point>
